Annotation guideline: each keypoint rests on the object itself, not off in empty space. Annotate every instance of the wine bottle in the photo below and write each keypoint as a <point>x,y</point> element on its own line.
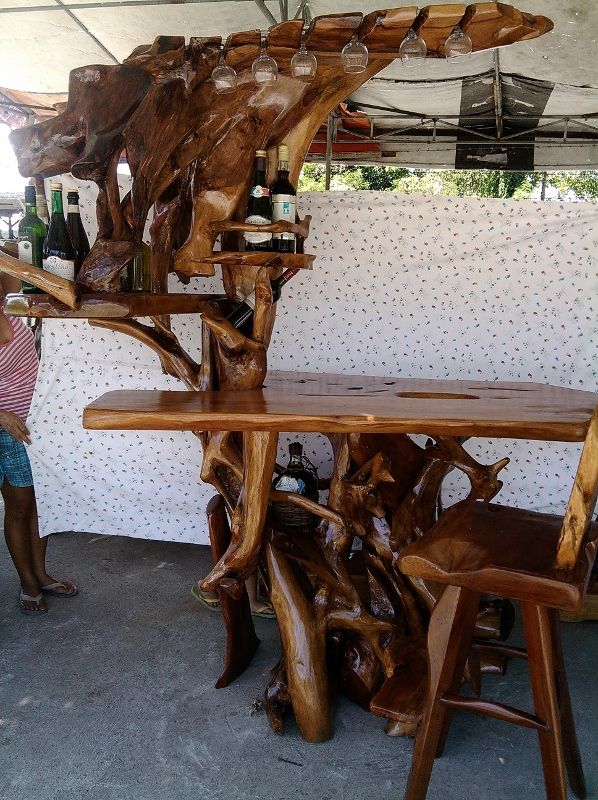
<point>136,275</point>
<point>58,253</point>
<point>300,477</point>
<point>259,207</point>
<point>41,202</point>
<point>30,237</point>
<point>284,202</point>
<point>76,230</point>
<point>241,317</point>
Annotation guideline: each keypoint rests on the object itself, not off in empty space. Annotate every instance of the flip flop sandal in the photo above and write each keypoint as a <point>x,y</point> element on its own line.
<point>27,598</point>
<point>209,602</point>
<point>52,590</point>
<point>265,613</point>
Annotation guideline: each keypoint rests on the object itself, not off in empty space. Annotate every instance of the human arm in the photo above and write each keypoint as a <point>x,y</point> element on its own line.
<point>14,425</point>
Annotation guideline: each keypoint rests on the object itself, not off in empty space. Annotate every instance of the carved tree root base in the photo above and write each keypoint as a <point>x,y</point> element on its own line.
<point>241,639</point>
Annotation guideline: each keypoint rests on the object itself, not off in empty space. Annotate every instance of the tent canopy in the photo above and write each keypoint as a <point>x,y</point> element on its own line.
<point>532,105</point>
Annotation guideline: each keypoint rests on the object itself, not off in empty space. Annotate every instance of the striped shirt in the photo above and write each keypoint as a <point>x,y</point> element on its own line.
<point>18,369</point>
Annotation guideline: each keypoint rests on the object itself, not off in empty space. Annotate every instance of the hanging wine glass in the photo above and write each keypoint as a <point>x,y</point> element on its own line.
<point>224,77</point>
<point>458,46</point>
<point>413,49</point>
<point>264,68</point>
<point>354,56</point>
<point>304,64</point>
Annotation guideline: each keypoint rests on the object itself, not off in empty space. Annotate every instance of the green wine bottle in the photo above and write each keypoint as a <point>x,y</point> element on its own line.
<point>30,237</point>
<point>59,253</point>
<point>259,207</point>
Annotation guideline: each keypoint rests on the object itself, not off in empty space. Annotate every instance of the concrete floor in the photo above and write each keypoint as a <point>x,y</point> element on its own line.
<point>110,697</point>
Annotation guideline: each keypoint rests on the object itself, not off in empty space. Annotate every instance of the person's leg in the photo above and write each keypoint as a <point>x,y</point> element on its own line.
<point>19,503</point>
<point>59,588</point>
<point>259,606</point>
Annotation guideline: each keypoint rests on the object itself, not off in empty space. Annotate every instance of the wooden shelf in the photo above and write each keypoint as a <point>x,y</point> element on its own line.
<point>107,306</point>
<point>256,258</point>
<point>300,228</point>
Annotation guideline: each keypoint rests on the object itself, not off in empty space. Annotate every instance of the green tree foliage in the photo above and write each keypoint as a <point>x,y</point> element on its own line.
<point>583,183</point>
<point>456,183</point>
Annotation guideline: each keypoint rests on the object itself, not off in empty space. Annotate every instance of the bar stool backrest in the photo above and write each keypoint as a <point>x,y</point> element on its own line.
<point>581,502</point>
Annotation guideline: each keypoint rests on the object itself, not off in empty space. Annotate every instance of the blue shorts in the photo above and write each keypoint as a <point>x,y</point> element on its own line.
<point>14,462</point>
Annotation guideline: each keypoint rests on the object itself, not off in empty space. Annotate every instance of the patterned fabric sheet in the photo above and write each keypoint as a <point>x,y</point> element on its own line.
<point>422,287</point>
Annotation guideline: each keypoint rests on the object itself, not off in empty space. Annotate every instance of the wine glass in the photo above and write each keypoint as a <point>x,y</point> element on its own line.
<point>354,56</point>
<point>264,68</point>
<point>304,64</point>
<point>224,77</point>
<point>413,49</point>
<point>458,46</point>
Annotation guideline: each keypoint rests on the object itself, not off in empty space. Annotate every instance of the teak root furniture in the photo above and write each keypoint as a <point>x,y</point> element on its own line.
<point>367,620</point>
<point>190,151</point>
<point>538,559</point>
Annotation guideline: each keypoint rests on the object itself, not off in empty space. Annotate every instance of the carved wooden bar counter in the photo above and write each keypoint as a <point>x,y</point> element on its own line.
<point>366,619</point>
<point>341,612</point>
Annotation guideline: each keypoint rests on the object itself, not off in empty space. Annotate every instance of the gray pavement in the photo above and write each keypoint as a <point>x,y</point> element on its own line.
<point>110,697</point>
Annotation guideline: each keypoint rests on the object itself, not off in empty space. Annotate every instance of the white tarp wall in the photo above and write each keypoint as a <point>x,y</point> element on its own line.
<point>411,286</point>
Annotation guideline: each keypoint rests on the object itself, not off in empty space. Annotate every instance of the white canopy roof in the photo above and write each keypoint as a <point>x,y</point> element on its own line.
<point>550,84</point>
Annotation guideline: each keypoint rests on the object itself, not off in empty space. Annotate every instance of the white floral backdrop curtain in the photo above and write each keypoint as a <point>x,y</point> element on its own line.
<point>430,287</point>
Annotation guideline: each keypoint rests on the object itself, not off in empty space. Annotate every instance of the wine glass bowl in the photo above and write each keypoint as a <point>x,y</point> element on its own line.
<point>354,56</point>
<point>458,46</point>
<point>264,68</point>
<point>304,64</point>
<point>413,49</point>
<point>224,77</point>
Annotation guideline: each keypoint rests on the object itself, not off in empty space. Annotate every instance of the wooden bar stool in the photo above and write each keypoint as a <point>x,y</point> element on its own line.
<point>539,559</point>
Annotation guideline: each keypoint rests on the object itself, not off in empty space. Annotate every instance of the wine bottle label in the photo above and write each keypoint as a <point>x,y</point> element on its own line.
<point>284,207</point>
<point>72,209</point>
<point>260,191</point>
<point>63,267</point>
<point>26,251</point>
<point>288,483</point>
<point>257,237</point>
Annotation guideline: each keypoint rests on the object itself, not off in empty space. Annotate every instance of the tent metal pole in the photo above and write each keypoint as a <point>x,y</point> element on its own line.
<point>497,96</point>
<point>77,21</point>
<point>266,12</point>
<point>329,141</point>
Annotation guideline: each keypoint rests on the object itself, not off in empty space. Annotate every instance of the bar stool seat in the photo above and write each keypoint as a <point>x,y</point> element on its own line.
<point>509,552</point>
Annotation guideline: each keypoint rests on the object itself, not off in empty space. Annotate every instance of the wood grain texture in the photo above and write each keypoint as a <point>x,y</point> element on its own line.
<point>312,402</point>
<point>104,305</point>
<point>499,550</point>
<point>63,290</point>
<point>582,501</point>
<point>241,639</point>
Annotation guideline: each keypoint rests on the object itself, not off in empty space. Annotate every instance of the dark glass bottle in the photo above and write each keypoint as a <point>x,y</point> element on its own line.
<point>284,202</point>
<point>136,275</point>
<point>242,316</point>
<point>76,230</point>
<point>299,477</point>
<point>30,237</point>
<point>259,207</point>
<point>59,254</point>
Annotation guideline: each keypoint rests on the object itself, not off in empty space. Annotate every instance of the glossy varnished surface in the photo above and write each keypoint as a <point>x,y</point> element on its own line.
<point>106,306</point>
<point>345,403</point>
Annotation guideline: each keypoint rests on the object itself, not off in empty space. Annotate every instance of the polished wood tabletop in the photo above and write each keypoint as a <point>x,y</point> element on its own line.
<point>293,401</point>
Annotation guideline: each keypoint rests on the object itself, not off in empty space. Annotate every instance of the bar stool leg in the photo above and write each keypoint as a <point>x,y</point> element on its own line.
<point>449,639</point>
<point>572,755</point>
<point>540,653</point>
